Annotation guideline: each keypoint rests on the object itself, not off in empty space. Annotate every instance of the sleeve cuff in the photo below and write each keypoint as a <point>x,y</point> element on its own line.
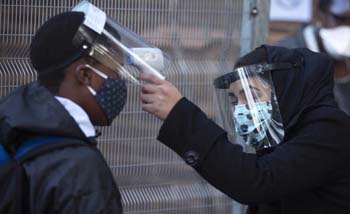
<point>189,132</point>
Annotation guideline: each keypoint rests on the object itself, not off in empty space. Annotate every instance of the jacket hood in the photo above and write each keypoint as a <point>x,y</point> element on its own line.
<point>305,88</point>
<point>33,110</point>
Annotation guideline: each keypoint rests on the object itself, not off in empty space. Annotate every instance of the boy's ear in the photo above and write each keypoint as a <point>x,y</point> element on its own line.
<point>83,75</point>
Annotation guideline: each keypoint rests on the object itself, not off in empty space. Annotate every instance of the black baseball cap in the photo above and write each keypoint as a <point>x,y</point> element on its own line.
<point>52,46</point>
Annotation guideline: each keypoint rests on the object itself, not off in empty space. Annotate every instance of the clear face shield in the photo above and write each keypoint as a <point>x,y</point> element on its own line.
<point>249,107</point>
<point>115,46</point>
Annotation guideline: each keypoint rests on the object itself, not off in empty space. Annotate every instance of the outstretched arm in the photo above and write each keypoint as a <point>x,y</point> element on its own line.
<point>298,165</point>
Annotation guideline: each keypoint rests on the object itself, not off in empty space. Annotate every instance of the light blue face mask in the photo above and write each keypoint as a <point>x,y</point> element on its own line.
<point>252,131</point>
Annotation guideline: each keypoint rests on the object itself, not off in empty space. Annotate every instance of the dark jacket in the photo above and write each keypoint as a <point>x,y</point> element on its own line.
<point>68,180</point>
<point>309,172</point>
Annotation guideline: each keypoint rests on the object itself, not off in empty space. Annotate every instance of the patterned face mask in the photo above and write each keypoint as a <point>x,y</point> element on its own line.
<point>111,97</point>
<point>252,130</point>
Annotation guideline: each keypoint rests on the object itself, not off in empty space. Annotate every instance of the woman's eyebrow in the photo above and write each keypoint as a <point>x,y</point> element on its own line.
<point>255,88</point>
<point>251,87</point>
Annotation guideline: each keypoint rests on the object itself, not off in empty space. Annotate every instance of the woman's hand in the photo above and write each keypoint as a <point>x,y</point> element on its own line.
<point>158,96</point>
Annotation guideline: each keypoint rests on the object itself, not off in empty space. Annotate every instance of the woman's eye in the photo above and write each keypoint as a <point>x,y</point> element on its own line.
<point>233,100</point>
<point>256,97</point>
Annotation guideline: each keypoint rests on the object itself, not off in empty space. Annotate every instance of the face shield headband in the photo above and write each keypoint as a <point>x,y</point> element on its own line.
<point>224,81</point>
<point>249,106</point>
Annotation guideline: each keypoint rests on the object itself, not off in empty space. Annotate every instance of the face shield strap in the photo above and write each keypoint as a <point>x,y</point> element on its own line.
<point>119,68</point>
<point>98,72</point>
<point>223,82</point>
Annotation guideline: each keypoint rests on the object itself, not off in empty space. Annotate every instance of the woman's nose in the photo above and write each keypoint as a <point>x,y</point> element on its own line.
<point>242,102</point>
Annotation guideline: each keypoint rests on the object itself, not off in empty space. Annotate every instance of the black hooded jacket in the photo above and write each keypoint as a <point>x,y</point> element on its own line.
<point>308,172</point>
<point>68,180</point>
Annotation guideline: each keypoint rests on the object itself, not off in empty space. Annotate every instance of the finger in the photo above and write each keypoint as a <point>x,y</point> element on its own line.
<point>147,98</point>
<point>149,89</point>
<point>148,108</point>
<point>150,78</point>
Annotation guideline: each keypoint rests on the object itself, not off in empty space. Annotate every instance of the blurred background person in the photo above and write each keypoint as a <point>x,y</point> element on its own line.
<point>330,33</point>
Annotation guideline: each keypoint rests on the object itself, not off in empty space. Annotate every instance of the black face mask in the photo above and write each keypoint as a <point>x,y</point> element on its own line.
<point>112,95</point>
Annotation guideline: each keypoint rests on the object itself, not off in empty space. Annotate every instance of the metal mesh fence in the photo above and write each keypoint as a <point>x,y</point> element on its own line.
<point>199,35</point>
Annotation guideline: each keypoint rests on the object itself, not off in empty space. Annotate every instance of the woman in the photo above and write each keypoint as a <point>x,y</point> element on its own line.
<point>282,105</point>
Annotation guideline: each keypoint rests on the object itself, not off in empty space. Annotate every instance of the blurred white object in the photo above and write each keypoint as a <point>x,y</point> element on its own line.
<point>336,41</point>
<point>152,56</point>
<point>291,10</point>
